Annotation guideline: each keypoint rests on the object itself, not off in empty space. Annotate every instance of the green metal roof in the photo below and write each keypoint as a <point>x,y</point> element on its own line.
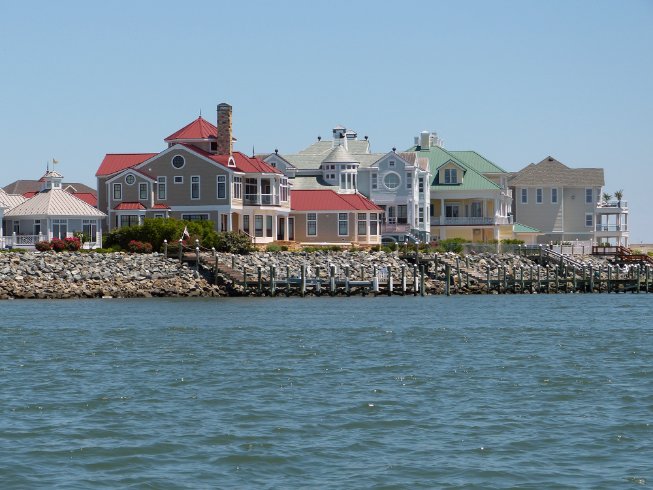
<point>472,179</point>
<point>519,228</point>
<point>478,162</point>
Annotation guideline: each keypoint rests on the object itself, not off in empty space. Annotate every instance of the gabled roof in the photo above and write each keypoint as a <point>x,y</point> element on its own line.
<point>478,162</point>
<point>473,180</point>
<point>550,172</point>
<point>339,155</point>
<point>329,200</point>
<point>87,197</point>
<point>243,163</point>
<point>520,228</point>
<point>115,162</point>
<point>55,202</point>
<point>199,129</point>
<point>322,147</point>
<point>307,182</point>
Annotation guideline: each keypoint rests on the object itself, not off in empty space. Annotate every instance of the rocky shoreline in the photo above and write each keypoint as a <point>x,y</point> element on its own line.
<point>50,275</point>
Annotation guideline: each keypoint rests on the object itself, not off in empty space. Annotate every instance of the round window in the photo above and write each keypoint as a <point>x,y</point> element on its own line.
<point>391,181</point>
<point>130,179</point>
<point>178,161</point>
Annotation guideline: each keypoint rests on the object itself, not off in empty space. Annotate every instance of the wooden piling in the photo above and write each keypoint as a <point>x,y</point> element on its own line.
<point>403,280</point>
<point>303,280</point>
<point>272,284</point>
<point>422,283</point>
<point>259,281</point>
<point>447,279</point>
<point>390,282</point>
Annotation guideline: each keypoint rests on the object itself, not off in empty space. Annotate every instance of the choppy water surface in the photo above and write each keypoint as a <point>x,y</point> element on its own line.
<point>464,392</point>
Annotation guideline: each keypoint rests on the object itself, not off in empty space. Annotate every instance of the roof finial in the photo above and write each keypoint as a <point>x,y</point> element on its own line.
<point>200,112</point>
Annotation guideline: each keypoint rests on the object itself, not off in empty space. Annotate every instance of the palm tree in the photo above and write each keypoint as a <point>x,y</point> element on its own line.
<point>618,195</point>
<point>606,197</point>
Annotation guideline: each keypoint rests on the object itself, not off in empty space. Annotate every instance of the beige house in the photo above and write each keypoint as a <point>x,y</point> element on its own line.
<point>566,204</point>
<point>197,177</point>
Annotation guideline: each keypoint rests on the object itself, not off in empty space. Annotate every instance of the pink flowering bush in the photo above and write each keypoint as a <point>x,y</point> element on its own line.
<point>43,246</point>
<point>138,247</point>
<point>72,243</point>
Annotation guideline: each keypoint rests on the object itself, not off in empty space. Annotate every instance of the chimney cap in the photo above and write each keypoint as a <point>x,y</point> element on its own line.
<point>366,137</point>
<point>276,151</point>
<point>319,138</point>
<point>394,148</point>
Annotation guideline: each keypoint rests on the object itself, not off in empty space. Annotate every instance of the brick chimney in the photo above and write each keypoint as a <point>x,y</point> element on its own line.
<point>225,144</point>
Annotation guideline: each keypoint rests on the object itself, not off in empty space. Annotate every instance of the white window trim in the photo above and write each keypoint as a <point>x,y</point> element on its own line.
<point>591,215</point>
<point>217,189</point>
<point>199,188</point>
<point>180,181</point>
<point>523,195</point>
<point>374,183</point>
<point>140,186</point>
<point>591,201</point>
<point>184,215</point>
<point>127,179</point>
<point>409,180</point>
<point>557,195</point>
<point>307,220</point>
<point>393,189</point>
<point>453,172</point>
<point>116,185</point>
<point>159,181</point>
<point>182,165</point>
<point>539,195</point>
<point>347,221</point>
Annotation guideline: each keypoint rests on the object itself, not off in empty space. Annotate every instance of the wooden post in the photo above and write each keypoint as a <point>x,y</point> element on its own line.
<point>639,277</point>
<point>403,280</point>
<point>362,273</point>
<point>609,276</point>
<point>591,278</point>
<point>505,279</point>
<point>447,279</point>
<point>165,248</point>
<point>557,273</point>
<point>215,269</point>
<point>422,283</point>
<point>332,280</point>
<point>415,285</point>
<point>390,283</point>
<point>647,269</point>
<point>303,280</point>
<point>347,291</point>
<point>458,271</point>
<point>488,280</point>
<point>272,285</point>
<point>181,250</point>
<point>532,273</point>
<point>539,282</point>
<point>259,285</point>
<point>573,282</point>
<point>245,279</point>
<point>287,281</point>
<point>521,277</point>
<point>233,262</point>
<point>197,259</point>
<point>318,285</point>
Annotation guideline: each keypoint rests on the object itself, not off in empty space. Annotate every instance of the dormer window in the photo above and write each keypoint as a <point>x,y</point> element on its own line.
<point>450,176</point>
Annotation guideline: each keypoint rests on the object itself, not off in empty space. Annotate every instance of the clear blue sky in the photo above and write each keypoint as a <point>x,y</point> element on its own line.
<point>514,80</point>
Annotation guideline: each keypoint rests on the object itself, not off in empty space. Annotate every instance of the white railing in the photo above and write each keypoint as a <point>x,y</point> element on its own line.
<point>613,204</point>
<point>611,227</point>
<point>496,220</point>
<point>261,199</point>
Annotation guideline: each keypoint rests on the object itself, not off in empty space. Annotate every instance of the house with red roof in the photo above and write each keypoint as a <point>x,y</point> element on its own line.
<point>324,216</point>
<point>197,177</point>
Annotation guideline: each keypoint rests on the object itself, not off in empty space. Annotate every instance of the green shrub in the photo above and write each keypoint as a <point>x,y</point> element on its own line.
<point>273,248</point>
<point>230,241</point>
<point>452,245</point>
<point>512,241</point>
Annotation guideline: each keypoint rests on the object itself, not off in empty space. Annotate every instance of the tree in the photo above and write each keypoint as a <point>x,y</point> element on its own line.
<point>619,195</point>
<point>606,197</point>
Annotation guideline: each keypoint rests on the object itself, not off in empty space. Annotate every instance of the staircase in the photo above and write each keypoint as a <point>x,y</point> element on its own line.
<point>623,255</point>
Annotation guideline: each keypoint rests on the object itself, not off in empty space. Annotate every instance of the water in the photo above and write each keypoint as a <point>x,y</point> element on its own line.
<point>460,392</point>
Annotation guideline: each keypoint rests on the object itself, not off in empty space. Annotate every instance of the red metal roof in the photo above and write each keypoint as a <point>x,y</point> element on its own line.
<point>29,194</point>
<point>243,162</point>
<point>123,206</point>
<point>115,162</point>
<point>87,197</point>
<point>329,200</point>
<point>160,206</point>
<point>199,129</point>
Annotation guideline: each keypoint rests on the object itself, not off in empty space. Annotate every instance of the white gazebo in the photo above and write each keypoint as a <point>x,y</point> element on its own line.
<point>53,213</point>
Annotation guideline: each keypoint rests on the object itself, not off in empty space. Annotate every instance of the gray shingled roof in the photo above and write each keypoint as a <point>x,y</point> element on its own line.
<point>310,183</point>
<point>55,202</point>
<point>323,147</point>
<point>25,186</point>
<point>550,172</point>
<point>339,155</point>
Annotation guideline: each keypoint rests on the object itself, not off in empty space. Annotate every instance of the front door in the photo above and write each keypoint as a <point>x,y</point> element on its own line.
<point>280,228</point>
<point>291,229</point>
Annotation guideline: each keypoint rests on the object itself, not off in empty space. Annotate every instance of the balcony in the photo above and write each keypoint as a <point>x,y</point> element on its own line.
<point>261,200</point>
<point>612,207</point>
<point>471,221</point>
<point>612,228</point>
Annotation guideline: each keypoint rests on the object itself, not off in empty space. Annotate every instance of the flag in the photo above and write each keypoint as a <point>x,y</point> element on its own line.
<point>185,234</point>
<point>54,162</point>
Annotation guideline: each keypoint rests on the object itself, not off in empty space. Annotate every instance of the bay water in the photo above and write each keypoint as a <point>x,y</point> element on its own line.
<point>542,391</point>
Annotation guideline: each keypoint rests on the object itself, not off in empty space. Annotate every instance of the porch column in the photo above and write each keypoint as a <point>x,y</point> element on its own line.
<point>259,191</point>
<point>275,226</point>
<point>286,228</point>
<point>441,211</point>
<point>229,222</point>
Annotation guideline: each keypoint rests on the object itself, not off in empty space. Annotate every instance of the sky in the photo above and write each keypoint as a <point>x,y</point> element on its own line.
<point>516,81</point>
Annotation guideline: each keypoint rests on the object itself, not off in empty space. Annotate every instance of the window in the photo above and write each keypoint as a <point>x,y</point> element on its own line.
<point>37,226</point>
<point>246,223</point>
<point>589,220</point>
<point>195,217</point>
<point>362,224</point>
<point>258,225</point>
<point>222,186</point>
<point>391,181</point>
<point>374,224</point>
<point>142,191</point>
<point>178,161</point>
<point>554,195</point>
<point>214,146</point>
<point>195,187</point>
<point>238,188</point>
<point>409,180</point>
<point>251,189</point>
<point>284,189</point>
<point>588,196</point>
<point>476,209</point>
<point>402,214</point>
<point>421,215</point>
<point>524,196</point>
<point>291,229</point>
<point>161,192</point>
<point>391,163</point>
<point>179,179</point>
<point>159,215</point>
<point>375,181</point>
<point>127,220</point>
<point>343,224</point>
<point>452,210</point>
<point>421,185</point>
<point>268,226</point>
<point>130,179</point>
<point>311,224</point>
<point>89,228</point>
<point>117,192</point>
<point>450,176</point>
<point>539,195</point>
